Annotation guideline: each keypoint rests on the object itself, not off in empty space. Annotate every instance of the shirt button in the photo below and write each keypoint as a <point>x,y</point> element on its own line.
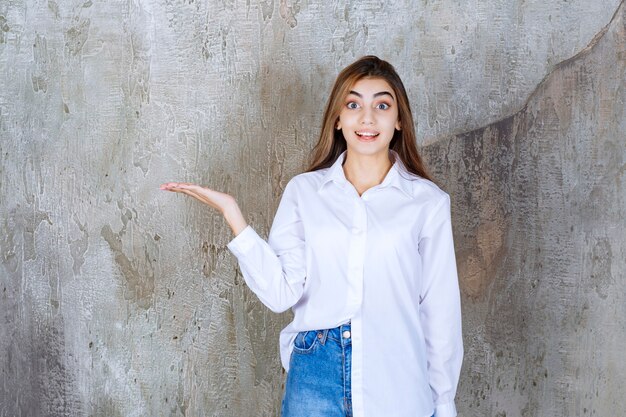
<point>346,334</point>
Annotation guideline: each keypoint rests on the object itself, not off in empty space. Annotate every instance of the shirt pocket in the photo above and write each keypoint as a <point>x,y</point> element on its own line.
<point>306,341</point>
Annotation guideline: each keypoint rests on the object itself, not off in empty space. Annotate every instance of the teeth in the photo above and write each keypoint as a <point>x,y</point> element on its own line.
<point>366,134</point>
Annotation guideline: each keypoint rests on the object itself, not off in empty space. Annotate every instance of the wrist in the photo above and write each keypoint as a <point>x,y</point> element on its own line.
<point>230,209</point>
<point>234,218</point>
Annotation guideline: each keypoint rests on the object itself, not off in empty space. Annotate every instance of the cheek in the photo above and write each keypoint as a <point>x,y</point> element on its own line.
<point>344,119</point>
<point>391,120</point>
<point>396,120</point>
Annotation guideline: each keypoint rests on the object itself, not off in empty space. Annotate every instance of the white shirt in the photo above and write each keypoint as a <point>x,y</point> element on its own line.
<point>385,261</point>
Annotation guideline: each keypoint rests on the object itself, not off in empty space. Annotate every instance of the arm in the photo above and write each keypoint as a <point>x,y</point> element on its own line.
<point>440,308</point>
<point>234,218</point>
<point>274,270</point>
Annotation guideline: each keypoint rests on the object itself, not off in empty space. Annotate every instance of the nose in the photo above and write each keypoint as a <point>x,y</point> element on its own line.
<point>367,116</point>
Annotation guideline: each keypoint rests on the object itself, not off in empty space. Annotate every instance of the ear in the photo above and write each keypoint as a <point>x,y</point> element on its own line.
<point>338,125</point>
<point>398,125</point>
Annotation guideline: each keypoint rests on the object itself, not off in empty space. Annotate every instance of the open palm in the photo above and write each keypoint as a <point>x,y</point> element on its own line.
<point>224,203</point>
<point>216,199</point>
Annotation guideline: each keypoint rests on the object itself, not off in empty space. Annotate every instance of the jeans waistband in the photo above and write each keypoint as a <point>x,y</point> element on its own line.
<point>341,332</point>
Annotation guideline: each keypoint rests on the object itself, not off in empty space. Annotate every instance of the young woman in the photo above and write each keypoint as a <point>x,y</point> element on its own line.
<point>361,249</point>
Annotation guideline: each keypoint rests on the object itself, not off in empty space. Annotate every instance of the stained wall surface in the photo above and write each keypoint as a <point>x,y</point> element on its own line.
<point>118,299</point>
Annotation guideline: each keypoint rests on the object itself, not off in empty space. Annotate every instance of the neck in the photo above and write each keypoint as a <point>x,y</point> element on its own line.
<point>365,171</point>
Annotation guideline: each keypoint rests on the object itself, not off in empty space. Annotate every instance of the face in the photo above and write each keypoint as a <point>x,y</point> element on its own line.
<point>369,116</point>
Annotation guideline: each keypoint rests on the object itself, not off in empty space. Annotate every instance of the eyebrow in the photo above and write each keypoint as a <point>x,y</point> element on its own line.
<point>381,93</point>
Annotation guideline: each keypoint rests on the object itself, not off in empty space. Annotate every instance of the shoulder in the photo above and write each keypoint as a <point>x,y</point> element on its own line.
<point>434,201</point>
<point>307,181</point>
<point>426,191</point>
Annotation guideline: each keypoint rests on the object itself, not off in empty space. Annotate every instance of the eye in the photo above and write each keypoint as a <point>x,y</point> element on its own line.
<point>382,106</point>
<point>352,105</point>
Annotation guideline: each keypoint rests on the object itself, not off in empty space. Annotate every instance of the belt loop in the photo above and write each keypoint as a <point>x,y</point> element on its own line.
<point>324,335</point>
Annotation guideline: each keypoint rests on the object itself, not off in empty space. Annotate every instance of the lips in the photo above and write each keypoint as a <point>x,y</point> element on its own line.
<point>366,135</point>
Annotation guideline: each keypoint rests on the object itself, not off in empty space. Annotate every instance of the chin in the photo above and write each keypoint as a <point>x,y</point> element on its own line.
<point>368,148</point>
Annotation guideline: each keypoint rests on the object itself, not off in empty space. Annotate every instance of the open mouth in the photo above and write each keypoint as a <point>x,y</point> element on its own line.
<point>367,135</point>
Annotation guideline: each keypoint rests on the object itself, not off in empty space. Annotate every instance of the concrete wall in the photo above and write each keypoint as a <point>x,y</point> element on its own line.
<point>117,299</point>
<point>540,211</point>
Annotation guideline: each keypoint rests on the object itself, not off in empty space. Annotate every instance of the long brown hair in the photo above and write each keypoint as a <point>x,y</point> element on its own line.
<point>332,143</point>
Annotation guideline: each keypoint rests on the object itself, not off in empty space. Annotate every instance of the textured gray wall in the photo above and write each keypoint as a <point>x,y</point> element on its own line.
<point>117,299</point>
<point>540,220</point>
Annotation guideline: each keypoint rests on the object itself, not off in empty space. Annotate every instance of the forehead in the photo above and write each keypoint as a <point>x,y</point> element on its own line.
<point>369,86</point>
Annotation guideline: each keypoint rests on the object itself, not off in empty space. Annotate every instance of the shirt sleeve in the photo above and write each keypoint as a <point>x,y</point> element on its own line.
<point>440,308</point>
<point>275,270</point>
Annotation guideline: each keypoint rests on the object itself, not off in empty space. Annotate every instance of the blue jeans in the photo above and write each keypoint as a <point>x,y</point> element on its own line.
<point>318,381</point>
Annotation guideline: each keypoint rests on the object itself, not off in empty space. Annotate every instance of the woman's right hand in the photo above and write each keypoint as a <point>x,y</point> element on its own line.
<point>224,203</point>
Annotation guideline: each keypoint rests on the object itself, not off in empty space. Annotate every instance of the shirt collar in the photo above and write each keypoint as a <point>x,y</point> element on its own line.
<point>396,177</point>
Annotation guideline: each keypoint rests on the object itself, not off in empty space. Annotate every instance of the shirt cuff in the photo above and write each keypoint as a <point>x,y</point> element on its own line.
<point>243,242</point>
<point>445,410</point>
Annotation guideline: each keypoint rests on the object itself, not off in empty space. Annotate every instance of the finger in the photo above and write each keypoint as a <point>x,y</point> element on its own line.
<point>190,186</point>
<point>194,188</point>
<point>198,195</point>
<point>170,185</point>
<point>202,194</point>
<point>193,193</point>
<point>175,185</point>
